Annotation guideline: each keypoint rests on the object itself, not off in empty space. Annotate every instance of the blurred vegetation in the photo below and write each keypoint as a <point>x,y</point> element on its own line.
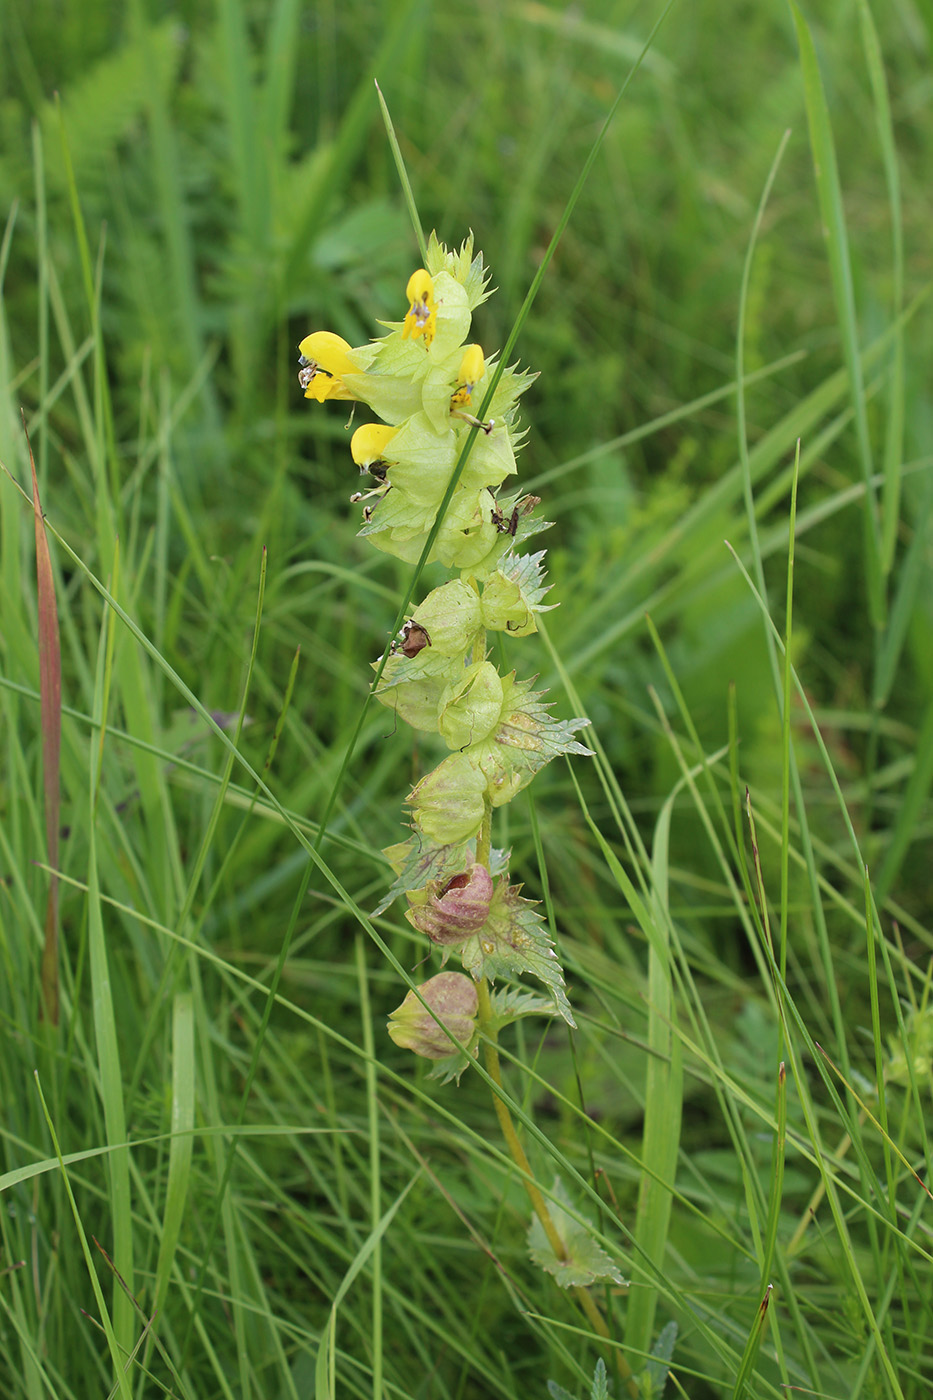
<point>186,191</point>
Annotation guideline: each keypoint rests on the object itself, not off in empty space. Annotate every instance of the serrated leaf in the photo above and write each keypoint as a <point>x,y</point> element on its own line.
<point>585,1262</point>
<point>513,940</point>
<point>600,1387</point>
<point>534,735</point>
<point>654,1377</point>
<point>511,1003</point>
<point>416,862</point>
<point>525,740</point>
<point>462,265</point>
<point>427,665</point>
<point>451,1066</point>
<point>397,511</point>
<point>527,570</point>
<point>513,383</point>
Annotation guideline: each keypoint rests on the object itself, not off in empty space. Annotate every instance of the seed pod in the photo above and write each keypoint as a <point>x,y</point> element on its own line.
<point>453,998</point>
<point>447,805</point>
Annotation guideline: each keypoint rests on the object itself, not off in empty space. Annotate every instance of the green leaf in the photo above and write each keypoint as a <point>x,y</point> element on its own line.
<point>585,1261</point>
<point>451,1066</point>
<point>511,1003</point>
<point>528,572</point>
<point>428,665</point>
<point>514,940</point>
<point>654,1377</point>
<point>532,735</point>
<point>600,1389</point>
<point>462,265</point>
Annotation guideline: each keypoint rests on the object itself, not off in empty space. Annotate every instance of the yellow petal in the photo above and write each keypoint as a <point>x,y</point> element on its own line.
<point>328,351</point>
<point>472,369</point>
<point>368,443</point>
<point>324,359</point>
<point>422,309</point>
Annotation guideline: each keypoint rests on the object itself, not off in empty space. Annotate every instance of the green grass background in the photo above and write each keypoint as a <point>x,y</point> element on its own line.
<point>185,192</point>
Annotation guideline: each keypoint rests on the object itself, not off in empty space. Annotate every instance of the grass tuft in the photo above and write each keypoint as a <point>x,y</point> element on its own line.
<point>708,225</point>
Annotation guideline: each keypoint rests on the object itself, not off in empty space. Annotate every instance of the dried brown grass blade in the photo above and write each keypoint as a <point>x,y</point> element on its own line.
<point>50,695</point>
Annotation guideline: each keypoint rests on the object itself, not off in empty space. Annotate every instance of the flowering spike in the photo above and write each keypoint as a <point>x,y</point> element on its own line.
<point>421,319</point>
<point>421,380</point>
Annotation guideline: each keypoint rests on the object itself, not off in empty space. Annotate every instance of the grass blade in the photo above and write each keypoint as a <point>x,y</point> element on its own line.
<point>832,212</point>
<point>50,689</point>
<point>115,1345</point>
<point>663,1098</point>
<point>894,438</point>
<point>179,1160</point>
<point>325,1373</point>
<point>403,175</point>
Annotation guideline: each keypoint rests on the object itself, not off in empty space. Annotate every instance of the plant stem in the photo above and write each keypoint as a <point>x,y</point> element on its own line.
<point>513,1142</point>
<point>491,1056</point>
<point>484,839</point>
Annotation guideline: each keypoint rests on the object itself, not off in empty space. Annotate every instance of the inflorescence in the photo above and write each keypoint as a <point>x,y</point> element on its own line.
<point>427,385</point>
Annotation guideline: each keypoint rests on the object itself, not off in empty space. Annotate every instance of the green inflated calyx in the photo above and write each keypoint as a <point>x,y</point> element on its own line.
<point>452,617</point>
<point>471,705</point>
<point>505,608</point>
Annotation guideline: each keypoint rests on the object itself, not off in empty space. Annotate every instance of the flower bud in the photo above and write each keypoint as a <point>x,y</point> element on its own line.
<point>453,998</point>
<point>472,369</point>
<point>450,912</point>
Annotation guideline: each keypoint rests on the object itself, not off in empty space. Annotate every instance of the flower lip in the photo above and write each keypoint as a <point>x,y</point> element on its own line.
<point>367,446</point>
<point>324,359</point>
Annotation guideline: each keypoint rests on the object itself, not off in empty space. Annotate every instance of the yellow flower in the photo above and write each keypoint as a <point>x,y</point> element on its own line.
<point>421,319</point>
<point>472,369</point>
<point>324,360</point>
<point>368,444</point>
